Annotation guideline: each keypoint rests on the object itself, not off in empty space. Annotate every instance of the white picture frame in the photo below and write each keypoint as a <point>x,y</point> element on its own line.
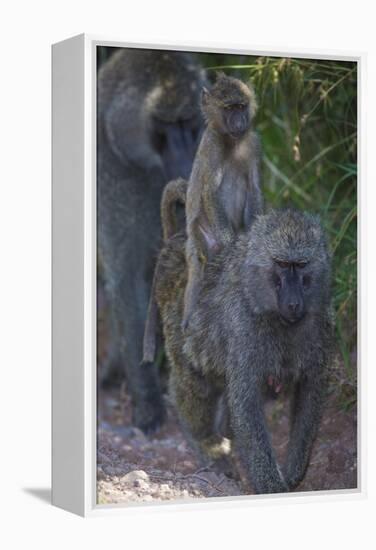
<point>74,276</point>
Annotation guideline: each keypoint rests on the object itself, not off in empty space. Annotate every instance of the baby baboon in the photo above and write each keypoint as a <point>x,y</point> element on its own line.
<point>224,188</point>
<point>149,125</point>
<point>263,313</point>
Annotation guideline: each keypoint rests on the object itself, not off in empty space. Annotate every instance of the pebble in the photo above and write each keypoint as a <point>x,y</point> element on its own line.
<point>135,476</point>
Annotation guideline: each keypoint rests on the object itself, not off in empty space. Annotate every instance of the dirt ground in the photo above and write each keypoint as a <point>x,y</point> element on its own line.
<point>133,467</point>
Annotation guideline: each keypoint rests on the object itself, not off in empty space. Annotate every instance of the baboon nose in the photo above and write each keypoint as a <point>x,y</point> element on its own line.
<point>294,307</point>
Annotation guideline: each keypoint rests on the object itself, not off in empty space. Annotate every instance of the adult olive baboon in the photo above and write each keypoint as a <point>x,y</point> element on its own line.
<point>263,312</point>
<point>149,124</point>
<point>224,193</point>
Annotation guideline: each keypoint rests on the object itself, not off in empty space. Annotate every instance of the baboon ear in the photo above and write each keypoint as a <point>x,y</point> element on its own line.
<point>211,242</point>
<point>219,75</point>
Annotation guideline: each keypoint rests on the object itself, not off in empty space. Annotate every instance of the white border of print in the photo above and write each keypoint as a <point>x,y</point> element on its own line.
<point>84,182</point>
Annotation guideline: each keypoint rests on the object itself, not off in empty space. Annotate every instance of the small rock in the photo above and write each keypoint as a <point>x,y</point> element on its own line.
<point>135,476</point>
<point>140,484</point>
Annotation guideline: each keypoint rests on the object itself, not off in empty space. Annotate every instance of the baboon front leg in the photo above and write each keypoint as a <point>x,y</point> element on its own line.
<point>305,418</point>
<point>142,379</point>
<point>252,442</point>
<point>196,401</point>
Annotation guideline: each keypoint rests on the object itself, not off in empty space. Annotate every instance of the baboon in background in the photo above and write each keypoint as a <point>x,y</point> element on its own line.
<point>224,192</point>
<point>263,312</point>
<point>149,125</point>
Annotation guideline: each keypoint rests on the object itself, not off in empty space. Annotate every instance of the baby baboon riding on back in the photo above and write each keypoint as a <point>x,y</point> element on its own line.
<point>223,194</point>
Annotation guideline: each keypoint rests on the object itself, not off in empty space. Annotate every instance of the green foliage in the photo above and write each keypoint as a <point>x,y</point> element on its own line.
<point>307,121</point>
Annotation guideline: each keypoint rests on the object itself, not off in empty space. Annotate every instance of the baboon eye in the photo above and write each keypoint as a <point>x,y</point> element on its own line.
<point>300,265</point>
<point>235,106</point>
<point>238,106</point>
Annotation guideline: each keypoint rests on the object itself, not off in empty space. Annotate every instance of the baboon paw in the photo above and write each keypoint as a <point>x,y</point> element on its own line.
<point>292,482</point>
<point>225,466</point>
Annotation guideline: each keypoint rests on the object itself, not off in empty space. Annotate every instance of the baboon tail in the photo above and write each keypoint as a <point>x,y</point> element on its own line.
<point>151,326</point>
<point>174,192</point>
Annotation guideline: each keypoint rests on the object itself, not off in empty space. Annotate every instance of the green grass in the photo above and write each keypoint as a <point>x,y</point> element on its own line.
<point>307,121</point>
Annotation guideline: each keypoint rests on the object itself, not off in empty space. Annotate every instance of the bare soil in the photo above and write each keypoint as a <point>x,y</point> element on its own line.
<point>133,467</point>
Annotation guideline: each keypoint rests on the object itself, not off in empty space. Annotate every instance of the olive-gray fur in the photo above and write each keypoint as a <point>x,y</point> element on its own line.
<point>237,340</point>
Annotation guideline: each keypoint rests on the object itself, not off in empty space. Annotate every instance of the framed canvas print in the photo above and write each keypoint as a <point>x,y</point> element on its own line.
<point>205,275</point>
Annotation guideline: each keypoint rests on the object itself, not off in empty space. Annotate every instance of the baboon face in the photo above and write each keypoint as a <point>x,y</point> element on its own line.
<point>287,265</point>
<point>236,119</point>
<point>229,106</point>
<point>291,281</point>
